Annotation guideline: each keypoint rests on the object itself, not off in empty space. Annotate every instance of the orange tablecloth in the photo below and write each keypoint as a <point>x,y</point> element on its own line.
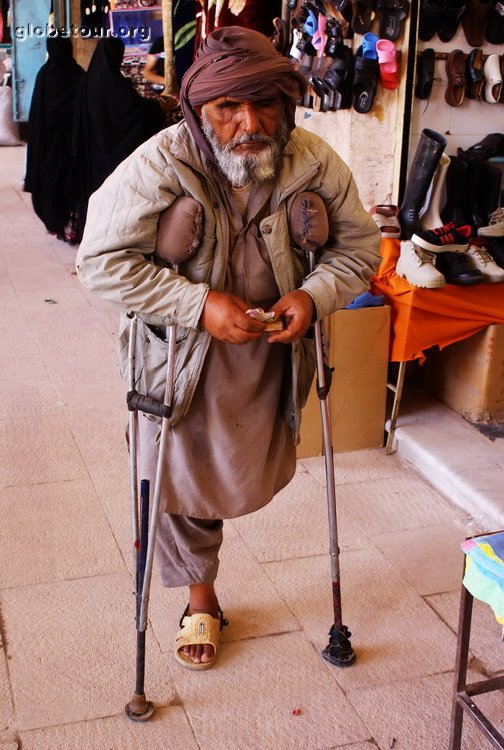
<point>421,318</point>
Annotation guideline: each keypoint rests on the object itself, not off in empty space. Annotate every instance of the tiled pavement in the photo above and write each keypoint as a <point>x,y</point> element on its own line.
<point>66,604</point>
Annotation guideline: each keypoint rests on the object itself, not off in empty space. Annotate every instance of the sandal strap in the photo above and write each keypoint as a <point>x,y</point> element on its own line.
<point>222,620</point>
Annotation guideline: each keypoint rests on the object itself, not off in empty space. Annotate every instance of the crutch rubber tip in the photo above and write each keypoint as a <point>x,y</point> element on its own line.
<point>339,651</point>
<point>139,709</point>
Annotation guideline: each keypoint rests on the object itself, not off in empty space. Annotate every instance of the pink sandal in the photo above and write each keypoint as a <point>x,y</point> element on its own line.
<point>387,59</point>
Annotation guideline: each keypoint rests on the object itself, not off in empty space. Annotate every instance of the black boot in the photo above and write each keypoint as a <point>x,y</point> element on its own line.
<point>489,194</point>
<point>457,269</point>
<point>456,179</point>
<point>427,155</point>
<point>474,186</point>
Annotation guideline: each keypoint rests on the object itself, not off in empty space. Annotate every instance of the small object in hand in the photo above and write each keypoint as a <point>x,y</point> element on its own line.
<point>266,317</point>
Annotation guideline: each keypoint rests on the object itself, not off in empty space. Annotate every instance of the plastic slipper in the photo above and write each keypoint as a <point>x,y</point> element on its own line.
<point>493,79</point>
<point>386,217</point>
<point>319,37</point>
<point>365,83</point>
<point>369,42</point>
<point>310,25</point>
<point>362,15</point>
<point>198,630</point>
<point>367,299</point>
<point>387,59</point>
<point>391,14</point>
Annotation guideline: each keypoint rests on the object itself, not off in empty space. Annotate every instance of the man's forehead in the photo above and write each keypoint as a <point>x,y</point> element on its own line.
<point>238,100</point>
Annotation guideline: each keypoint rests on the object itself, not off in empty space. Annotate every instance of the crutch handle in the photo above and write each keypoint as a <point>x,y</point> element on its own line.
<point>147,404</point>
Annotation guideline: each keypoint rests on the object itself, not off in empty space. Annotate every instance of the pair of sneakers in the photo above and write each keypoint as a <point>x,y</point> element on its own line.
<point>433,269</point>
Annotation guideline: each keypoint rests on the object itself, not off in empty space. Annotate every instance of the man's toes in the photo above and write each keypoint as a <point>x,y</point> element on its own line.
<point>207,654</point>
<point>199,654</point>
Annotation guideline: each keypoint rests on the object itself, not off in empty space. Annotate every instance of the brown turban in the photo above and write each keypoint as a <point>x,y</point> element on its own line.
<point>243,64</point>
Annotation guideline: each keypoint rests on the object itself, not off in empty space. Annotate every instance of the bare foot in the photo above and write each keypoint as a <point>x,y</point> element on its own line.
<point>202,598</point>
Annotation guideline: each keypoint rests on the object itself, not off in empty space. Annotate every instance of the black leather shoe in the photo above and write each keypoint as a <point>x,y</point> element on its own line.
<point>457,269</point>
<point>475,79</point>
<point>425,74</point>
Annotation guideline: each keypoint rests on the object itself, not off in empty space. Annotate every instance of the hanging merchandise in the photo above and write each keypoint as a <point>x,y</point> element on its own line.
<point>425,73</point>
<point>250,14</point>
<point>9,133</point>
<point>493,79</point>
<point>338,78</point>
<point>456,73</point>
<point>94,18</point>
<point>5,32</point>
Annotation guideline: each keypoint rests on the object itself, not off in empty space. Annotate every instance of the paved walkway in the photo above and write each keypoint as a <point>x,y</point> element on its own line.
<point>66,603</point>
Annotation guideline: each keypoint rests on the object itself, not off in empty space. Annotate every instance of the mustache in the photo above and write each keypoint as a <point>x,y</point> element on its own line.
<point>249,138</point>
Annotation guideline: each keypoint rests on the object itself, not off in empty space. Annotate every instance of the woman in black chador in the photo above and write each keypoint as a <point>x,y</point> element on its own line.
<point>50,138</point>
<point>111,120</point>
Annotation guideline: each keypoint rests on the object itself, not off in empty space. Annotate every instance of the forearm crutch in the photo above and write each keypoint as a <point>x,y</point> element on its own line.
<point>310,231</point>
<point>184,216</point>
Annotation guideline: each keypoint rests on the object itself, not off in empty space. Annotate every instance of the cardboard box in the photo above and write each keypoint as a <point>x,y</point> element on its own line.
<point>468,376</point>
<point>358,351</point>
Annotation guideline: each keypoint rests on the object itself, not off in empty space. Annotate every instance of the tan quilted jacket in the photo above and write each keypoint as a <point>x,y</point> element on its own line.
<point>114,257</point>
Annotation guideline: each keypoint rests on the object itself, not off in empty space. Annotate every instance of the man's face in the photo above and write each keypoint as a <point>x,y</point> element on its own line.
<point>247,137</point>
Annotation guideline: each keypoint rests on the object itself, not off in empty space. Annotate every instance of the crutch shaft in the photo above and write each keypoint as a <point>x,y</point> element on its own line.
<point>158,480</point>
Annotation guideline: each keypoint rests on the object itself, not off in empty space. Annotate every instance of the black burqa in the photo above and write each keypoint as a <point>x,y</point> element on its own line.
<point>111,120</point>
<point>50,135</point>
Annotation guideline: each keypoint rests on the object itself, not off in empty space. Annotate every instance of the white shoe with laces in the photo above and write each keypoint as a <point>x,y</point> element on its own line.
<point>482,260</point>
<point>496,226</point>
<point>416,265</point>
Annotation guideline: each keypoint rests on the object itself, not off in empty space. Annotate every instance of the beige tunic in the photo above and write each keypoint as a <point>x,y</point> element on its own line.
<point>233,451</point>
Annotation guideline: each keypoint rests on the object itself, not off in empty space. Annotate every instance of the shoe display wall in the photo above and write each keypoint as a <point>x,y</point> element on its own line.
<point>346,50</point>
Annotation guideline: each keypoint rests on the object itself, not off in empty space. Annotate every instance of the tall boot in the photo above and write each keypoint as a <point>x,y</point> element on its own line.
<point>456,179</point>
<point>431,218</point>
<point>490,192</point>
<point>474,183</point>
<point>427,155</point>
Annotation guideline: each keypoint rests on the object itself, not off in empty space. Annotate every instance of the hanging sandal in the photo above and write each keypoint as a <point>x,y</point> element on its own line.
<point>366,75</point>
<point>362,15</point>
<point>199,629</point>
<point>338,78</point>
<point>391,14</point>
<point>386,217</point>
<point>387,59</point>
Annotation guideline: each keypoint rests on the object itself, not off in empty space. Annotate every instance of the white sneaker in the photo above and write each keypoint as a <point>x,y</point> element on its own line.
<point>496,225</point>
<point>416,265</point>
<point>482,260</point>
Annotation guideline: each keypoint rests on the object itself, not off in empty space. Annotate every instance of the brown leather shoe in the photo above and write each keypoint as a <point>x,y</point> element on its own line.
<point>474,21</point>
<point>456,72</point>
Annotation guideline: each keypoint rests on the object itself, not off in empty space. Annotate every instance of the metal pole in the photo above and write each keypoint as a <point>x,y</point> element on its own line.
<point>170,78</point>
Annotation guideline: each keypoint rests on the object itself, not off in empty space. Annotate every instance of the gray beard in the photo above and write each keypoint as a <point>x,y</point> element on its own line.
<point>242,170</point>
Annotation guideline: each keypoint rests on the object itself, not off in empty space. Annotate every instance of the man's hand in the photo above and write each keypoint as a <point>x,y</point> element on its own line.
<point>224,318</point>
<point>297,309</point>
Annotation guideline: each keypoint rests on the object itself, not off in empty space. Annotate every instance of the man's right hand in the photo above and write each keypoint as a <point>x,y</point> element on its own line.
<point>224,317</point>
